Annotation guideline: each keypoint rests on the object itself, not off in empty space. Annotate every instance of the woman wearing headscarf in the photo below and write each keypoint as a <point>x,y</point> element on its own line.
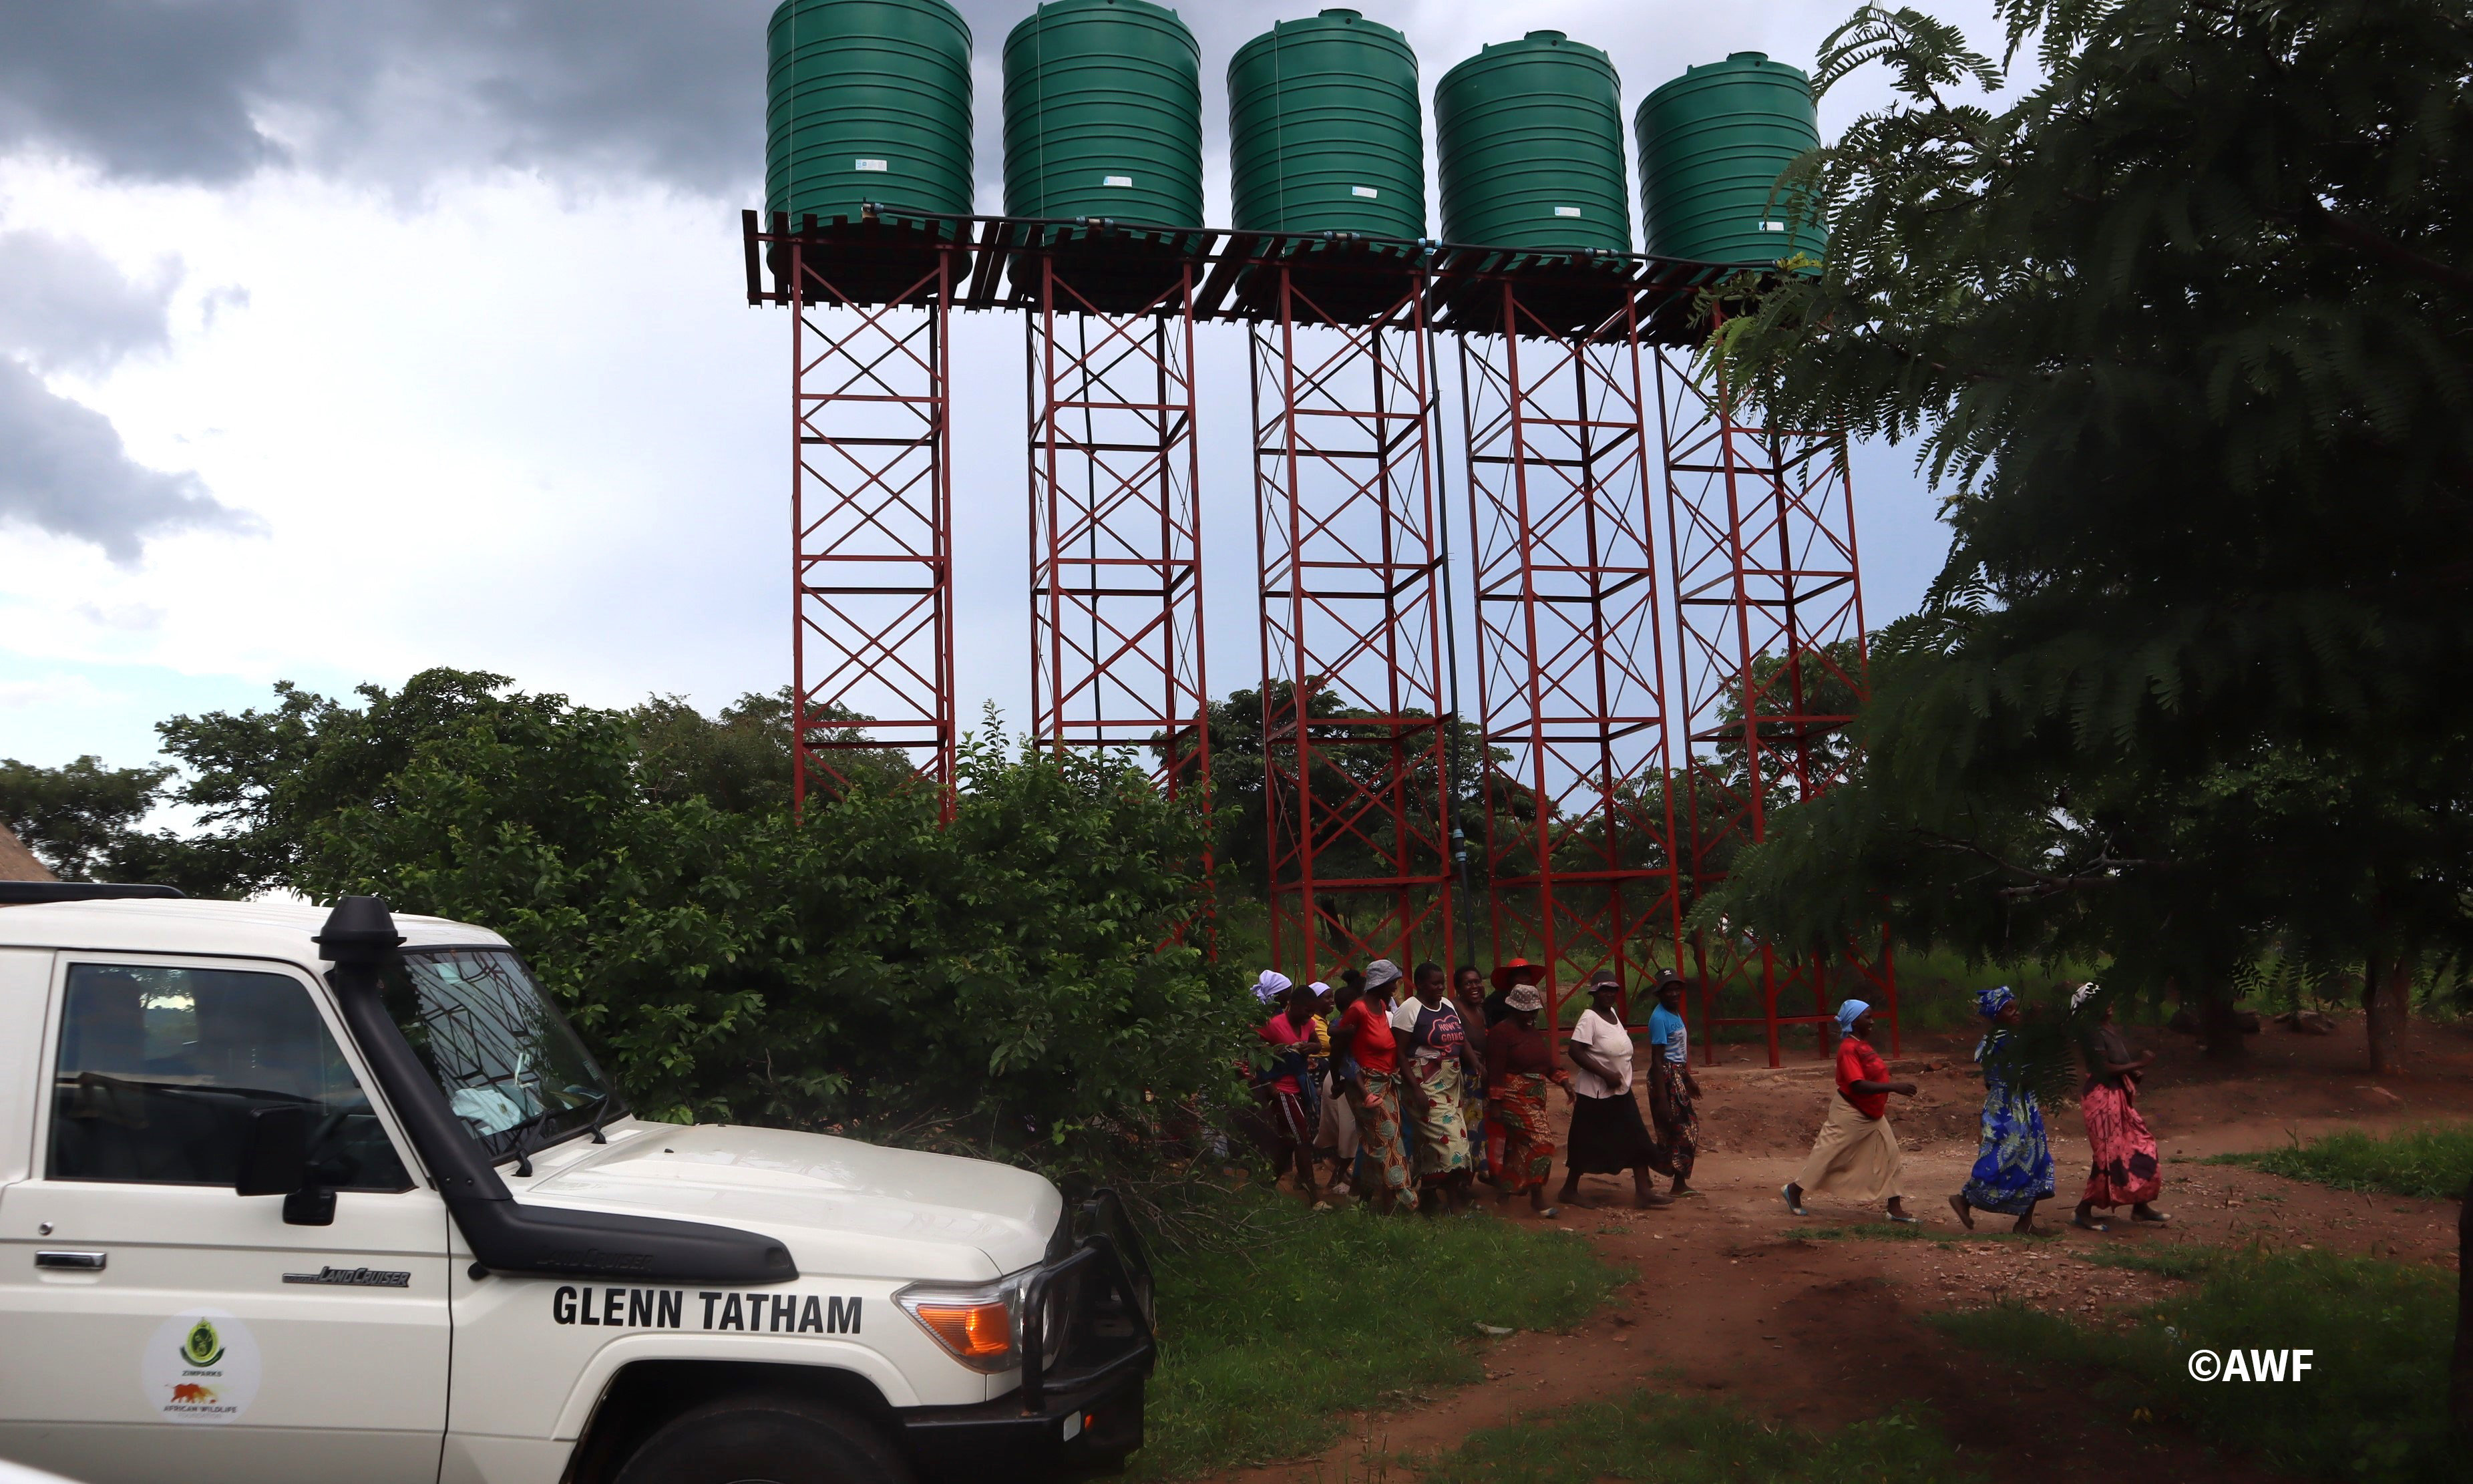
<point>1857,1153</point>
<point>2127,1168</point>
<point>1364,1046</point>
<point>2013,1167</point>
<point>1439,1061</point>
<point>1607,1134</point>
<point>1519,1066</point>
<point>1672,1089</point>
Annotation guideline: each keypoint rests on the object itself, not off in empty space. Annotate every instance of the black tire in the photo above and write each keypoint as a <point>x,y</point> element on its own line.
<point>765,1440</point>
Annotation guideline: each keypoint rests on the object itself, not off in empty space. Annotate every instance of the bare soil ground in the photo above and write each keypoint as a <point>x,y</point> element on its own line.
<point>1823,1332</point>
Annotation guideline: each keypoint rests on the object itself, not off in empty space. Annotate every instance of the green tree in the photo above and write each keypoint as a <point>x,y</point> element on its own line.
<point>2181,332</point>
<point>1005,984</point>
<point>85,822</point>
<point>76,818</point>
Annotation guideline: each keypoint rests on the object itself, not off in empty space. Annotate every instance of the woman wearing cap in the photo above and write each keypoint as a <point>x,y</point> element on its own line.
<point>2127,1169</point>
<point>2013,1167</point>
<point>1520,1064</point>
<point>1364,1039</point>
<point>1672,1090</point>
<point>1607,1134</point>
<point>1857,1153</point>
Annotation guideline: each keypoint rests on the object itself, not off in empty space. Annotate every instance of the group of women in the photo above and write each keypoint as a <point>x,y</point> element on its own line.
<point>1855,1155</point>
<point>1416,1091</point>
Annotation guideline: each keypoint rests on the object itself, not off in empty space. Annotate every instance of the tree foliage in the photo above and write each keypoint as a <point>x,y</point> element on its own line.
<point>2181,332</point>
<point>1010,983</point>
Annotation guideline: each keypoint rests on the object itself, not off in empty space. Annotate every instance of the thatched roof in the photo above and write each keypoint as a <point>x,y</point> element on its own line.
<point>17,863</point>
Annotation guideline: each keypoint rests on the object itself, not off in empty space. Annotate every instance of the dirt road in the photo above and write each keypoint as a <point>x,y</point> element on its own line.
<point>1823,1332</point>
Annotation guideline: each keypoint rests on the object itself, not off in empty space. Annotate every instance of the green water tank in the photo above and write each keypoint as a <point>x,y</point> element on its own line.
<point>1103,114</point>
<point>1712,145</point>
<point>1531,139</point>
<point>1325,134</point>
<point>866,99</point>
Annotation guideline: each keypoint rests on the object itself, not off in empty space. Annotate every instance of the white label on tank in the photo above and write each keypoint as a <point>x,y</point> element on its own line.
<point>1567,211</point>
<point>1124,180</point>
<point>868,164</point>
<point>1773,227</point>
<point>1366,191</point>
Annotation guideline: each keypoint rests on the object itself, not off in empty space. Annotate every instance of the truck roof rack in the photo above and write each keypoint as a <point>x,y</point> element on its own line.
<point>22,893</point>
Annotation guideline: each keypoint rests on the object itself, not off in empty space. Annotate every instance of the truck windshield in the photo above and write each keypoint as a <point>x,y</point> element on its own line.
<point>511,1067</point>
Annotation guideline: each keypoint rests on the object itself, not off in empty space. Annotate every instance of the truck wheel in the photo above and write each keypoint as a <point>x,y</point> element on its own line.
<point>765,1440</point>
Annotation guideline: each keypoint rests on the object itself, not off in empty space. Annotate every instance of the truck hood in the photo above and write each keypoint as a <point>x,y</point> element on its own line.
<point>842,1207</point>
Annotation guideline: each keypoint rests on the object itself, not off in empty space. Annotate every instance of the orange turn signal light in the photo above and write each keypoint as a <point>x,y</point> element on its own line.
<point>979,1330</point>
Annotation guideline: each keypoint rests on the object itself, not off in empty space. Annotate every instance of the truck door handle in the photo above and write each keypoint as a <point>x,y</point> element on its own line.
<point>74,1262</point>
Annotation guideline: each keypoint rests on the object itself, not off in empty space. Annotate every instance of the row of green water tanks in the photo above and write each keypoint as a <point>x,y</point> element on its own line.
<point>870,101</point>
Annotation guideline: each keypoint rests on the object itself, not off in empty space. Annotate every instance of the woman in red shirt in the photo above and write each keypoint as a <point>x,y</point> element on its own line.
<point>1365,1059</point>
<point>1857,1154</point>
<point>1286,1092</point>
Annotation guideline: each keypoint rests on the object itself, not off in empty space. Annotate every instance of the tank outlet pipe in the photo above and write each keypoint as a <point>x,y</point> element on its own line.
<point>359,939</point>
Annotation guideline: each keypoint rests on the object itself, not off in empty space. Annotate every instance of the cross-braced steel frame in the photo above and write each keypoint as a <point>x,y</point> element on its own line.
<point>1347,529</point>
<point>871,517</point>
<point>1579,819</point>
<point>1116,557</point>
<point>1770,659</point>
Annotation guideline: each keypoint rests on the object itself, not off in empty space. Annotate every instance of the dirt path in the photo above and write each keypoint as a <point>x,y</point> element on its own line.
<point>1823,1333</point>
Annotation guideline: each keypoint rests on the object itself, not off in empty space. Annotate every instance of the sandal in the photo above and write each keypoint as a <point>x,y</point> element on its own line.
<point>1549,1214</point>
<point>1904,1218</point>
<point>2085,1225</point>
<point>1792,1206</point>
<point>2153,1218</point>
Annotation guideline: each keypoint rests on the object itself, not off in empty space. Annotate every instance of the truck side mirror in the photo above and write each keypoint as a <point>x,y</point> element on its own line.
<point>275,1160</point>
<point>275,1157</point>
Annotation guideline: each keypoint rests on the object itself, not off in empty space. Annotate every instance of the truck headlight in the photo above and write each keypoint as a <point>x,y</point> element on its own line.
<point>980,1324</point>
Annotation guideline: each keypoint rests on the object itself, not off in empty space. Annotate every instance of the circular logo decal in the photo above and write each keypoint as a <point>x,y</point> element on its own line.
<point>202,1366</point>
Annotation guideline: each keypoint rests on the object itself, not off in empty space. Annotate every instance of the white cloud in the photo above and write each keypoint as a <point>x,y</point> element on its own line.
<point>520,417</point>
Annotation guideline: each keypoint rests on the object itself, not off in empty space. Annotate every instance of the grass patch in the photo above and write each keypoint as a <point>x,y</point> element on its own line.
<point>1672,1440</point>
<point>1881,1232</point>
<point>2184,1260</point>
<point>1262,1348</point>
<point>2434,1163</point>
<point>2372,1406</point>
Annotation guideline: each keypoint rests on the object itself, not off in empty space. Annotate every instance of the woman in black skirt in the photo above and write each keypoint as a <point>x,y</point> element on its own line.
<point>1607,1132</point>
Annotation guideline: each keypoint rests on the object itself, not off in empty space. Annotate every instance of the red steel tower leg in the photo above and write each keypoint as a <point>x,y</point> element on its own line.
<point>1579,817</point>
<point>871,501</point>
<point>1353,683</point>
<point>1770,601</point>
<point>1115,560</point>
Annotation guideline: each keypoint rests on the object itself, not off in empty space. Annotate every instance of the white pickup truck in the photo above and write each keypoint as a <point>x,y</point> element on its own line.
<point>289,1195</point>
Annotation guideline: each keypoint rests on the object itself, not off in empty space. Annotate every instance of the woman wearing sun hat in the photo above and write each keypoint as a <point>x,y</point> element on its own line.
<point>1857,1153</point>
<point>1519,1066</point>
<point>1364,1046</point>
<point>1608,1135</point>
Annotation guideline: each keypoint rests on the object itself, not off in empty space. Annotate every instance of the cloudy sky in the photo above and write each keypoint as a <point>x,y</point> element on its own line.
<point>338,340</point>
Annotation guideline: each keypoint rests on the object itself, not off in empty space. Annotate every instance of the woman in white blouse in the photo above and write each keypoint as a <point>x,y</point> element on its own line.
<point>1608,1135</point>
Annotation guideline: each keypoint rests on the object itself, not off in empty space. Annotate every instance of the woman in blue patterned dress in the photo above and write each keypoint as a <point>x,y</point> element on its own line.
<point>2013,1171</point>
